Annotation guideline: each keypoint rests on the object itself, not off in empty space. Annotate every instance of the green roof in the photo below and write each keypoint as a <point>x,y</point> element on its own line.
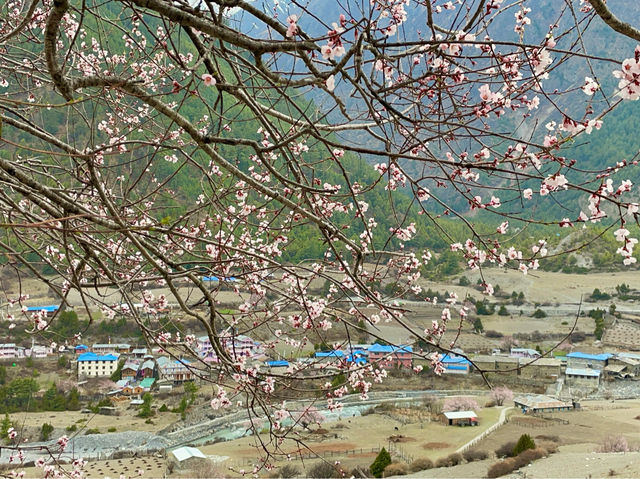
<point>147,382</point>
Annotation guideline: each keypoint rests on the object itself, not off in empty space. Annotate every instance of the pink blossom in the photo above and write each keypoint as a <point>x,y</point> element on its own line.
<point>208,79</point>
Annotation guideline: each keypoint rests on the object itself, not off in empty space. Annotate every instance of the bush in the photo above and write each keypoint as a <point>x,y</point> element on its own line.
<point>324,470</point>
<point>45,431</point>
<point>112,429</point>
<point>538,313</point>
<point>287,471</point>
<point>473,455</point>
<point>382,460</point>
<point>506,450</point>
<point>493,334</point>
<point>163,408</point>
<point>92,431</point>
<point>395,469</point>
<point>360,471</point>
<point>614,443</point>
<point>71,428</point>
<point>528,456</point>
<point>501,468</point>
<point>464,281</point>
<point>421,464</point>
<point>525,442</point>
<point>450,461</point>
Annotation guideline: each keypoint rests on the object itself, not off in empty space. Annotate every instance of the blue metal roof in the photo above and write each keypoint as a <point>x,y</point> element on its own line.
<point>595,357</point>
<point>49,309</point>
<point>357,359</point>
<point>330,354</point>
<point>276,364</point>
<point>95,357</point>
<point>379,348</point>
<point>215,278</point>
<point>446,359</point>
<point>456,367</point>
<point>82,346</point>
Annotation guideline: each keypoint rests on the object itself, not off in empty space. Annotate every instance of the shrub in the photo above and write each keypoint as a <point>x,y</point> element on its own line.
<point>287,471</point>
<point>450,461</point>
<point>614,443</point>
<point>546,437</point>
<point>528,456</point>
<point>92,431</point>
<point>538,313</point>
<point>360,471</point>
<point>112,429</point>
<point>493,334</point>
<point>71,428</point>
<point>506,450</point>
<point>475,455</point>
<point>324,469</point>
<point>395,469</point>
<point>501,468</point>
<point>382,460</point>
<point>421,464</point>
<point>163,408</point>
<point>45,431</point>
<point>525,442</point>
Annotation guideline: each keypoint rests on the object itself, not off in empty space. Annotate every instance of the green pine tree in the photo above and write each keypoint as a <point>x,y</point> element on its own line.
<point>382,461</point>
<point>525,442</point>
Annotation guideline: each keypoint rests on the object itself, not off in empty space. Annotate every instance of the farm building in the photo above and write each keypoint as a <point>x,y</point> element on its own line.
<point>541,369</point>
<point>455,364</point>
<point>580,360</point>
<point>328,359</point>
<point>622,365</point>
<point>460,418</point>
<point>391,356</point>
<point>537,403</point>
<point>582,377</point>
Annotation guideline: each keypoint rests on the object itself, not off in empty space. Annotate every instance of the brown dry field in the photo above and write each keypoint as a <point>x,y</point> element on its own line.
<point>153,467</point>
<point>363,433</point>
<point>127,421</point>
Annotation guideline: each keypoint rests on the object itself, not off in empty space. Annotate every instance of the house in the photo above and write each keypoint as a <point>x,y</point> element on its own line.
<point>189,458</point>
<point>95,365</point>
<point>147,369</point>
<point>387,356</point>
<point>453,364</point>
<point>524,353</point>
<point>541,369</point>
<point>459,418</point>
<point>591,361</point>
<point>130,370</point>
<point>537,403</point>
<point>139,352</point>
<point>81,348</point>
<point>325,359</point>
<point>176,371</point>
<point>11,351</point>
<point>236,345</point>
<point>38,351</point>
<point>582,377</point>
<point>622,365</point>
<point>277,364</point>
<point>147,383</point>
<point>49,310</point>
<point>120,348</point>
<point>497,364</point>
<point>132,389</point>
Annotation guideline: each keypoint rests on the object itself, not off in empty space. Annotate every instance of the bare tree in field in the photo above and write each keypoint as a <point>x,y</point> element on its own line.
<point>152,143</point>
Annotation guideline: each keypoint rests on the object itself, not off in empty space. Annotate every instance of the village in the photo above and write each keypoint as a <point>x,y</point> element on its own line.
<point>161,393</point>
